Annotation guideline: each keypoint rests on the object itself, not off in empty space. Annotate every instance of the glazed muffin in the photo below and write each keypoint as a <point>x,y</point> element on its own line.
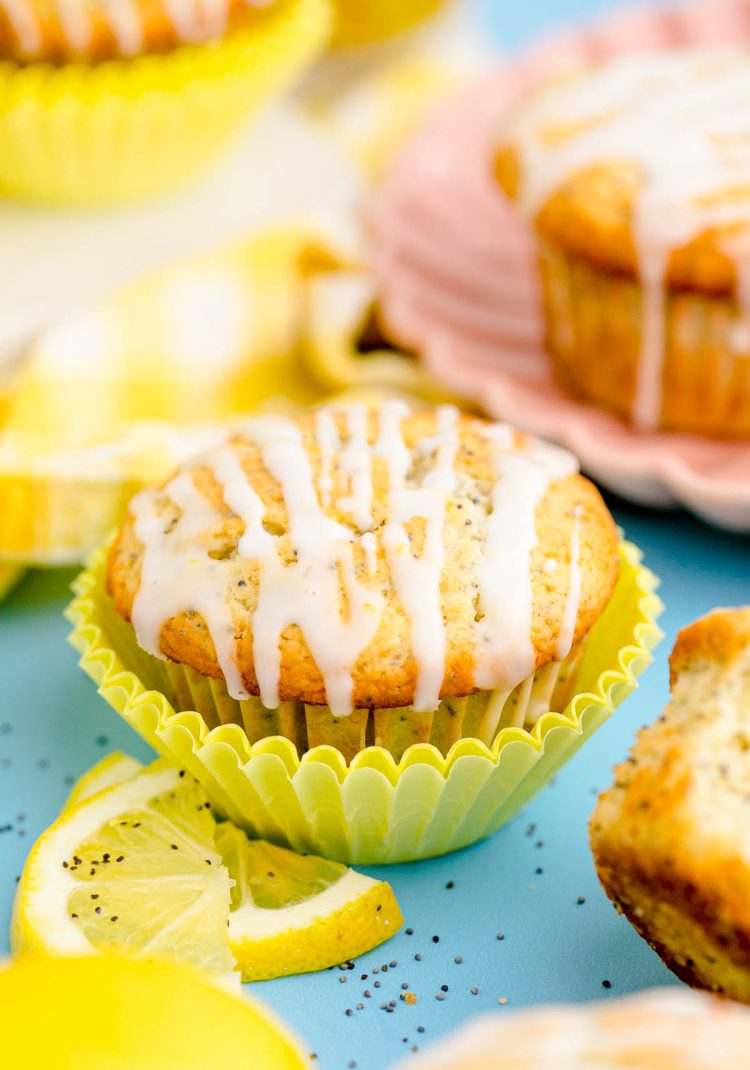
<point>636,177</point>
<point>129,99</point>
<point>669,836</point>
<point>664,1029</point>
<point>361,576</point>
<point>57,31</point>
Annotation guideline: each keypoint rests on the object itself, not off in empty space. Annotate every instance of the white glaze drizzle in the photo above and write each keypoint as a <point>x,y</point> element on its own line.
<point>75,23</point>
<point>573,598</point>
<point>504,634</point>
<point>192,20</point>
<point>417,579</point>
<point>127,25</point>
<point>22,18</point>
<point>305,589</point>
<point>176,577</point>
<point>356,464</point>
<point>327,438</point>
<point>680,116</point>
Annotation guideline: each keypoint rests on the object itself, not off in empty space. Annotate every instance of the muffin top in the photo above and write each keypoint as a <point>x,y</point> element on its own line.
<point>668,1029</point>
<point>57,31</point>
<point>642,166</point>
<point>366,558</point>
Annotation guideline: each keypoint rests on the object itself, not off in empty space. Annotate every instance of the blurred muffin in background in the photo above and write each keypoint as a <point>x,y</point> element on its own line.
<point>58,31</point>
<point>637,178</point>
<point>109,102</point>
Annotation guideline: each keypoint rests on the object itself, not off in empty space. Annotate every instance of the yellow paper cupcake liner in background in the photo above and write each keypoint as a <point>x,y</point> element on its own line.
<point>373,810</point>
<point>359,22</point>
<point>92,133</point>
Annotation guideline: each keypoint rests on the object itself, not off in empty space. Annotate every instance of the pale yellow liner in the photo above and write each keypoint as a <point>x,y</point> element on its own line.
<point>85,134</point>
<point>374,809</point>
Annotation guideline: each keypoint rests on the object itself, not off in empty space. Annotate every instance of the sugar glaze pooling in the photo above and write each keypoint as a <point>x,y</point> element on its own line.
<point>178,574</point>
<point>680,117</point>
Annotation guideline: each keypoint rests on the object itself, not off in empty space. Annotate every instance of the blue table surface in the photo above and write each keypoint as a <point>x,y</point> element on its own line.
<point>533,882</point>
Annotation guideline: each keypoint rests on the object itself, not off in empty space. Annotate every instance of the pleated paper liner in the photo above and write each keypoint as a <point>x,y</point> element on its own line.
<point>373,809</point>
<point>92,133</point>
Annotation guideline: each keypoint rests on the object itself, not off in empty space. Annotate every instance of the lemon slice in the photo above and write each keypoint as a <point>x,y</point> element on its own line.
<point>113,1013</point>
<point>297,913</point>
<point>131,869</point>
<point>115,769</point>
<point>137,863</point>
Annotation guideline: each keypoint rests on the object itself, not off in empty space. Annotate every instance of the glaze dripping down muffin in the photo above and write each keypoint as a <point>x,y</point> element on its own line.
<point>356,575</point>
<point>636,176</point>
<point>62,30</point>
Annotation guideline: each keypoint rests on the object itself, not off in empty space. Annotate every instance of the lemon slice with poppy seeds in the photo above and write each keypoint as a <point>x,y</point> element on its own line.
<point>296,913</point>
<point>142,867</point>
<point>130,869</point>
<point>115,769</point>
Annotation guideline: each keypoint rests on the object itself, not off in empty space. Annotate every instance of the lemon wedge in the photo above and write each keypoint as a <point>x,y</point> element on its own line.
<point>298,913</point>
<point>116,1013</point>
<point>137,863</point>
<point>130,869</point>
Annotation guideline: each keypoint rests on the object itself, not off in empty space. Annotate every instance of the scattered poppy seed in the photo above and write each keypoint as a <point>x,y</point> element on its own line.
<point>450,885</point>
<point>348,1012</point>
<point>436,939</point>
<point>377,984</point>
<point>581,900</point>
<point>409,932</point>
<point>113,918</point>
<point>420,1029</point>
<point>393,964</point>
<point>474,991</point>
<point>458,960</point>
<point>363,977</point>
<point>606,984</point>
<point>417,958</point>
<point>404,985</point>
<point>501,936</point>
<point>342,979</point>
<point>443,988</point>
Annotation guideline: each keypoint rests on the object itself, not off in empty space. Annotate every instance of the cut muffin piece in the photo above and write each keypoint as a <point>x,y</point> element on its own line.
<point>353,576</point>
<point>669,837</point>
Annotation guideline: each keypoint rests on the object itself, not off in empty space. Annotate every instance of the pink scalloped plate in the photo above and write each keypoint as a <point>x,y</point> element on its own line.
<point>456,274</point>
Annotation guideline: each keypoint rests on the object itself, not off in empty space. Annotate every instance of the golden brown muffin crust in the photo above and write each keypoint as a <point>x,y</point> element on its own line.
<point>39,31</point>
<point>669,836</point>
<point>386,672</point>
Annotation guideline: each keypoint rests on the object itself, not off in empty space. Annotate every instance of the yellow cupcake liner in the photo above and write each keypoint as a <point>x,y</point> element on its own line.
<point>86,134</point>
<point>359,22</point>
<point>372,810</point>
